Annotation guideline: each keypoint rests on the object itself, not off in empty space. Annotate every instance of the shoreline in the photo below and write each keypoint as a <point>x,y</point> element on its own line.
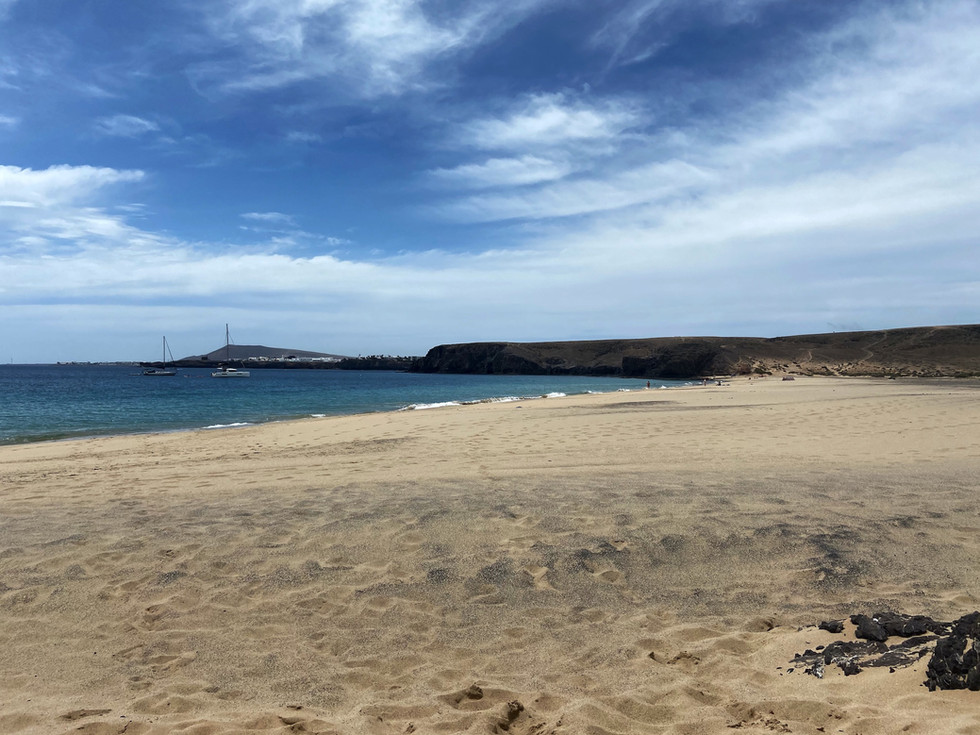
<point>953,382</point>
<point>303,417</point>
<point>645,561</point>
<point>693,383</point>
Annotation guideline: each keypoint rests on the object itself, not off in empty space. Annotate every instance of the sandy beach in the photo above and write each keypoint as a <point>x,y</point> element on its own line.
<point>641,562</point>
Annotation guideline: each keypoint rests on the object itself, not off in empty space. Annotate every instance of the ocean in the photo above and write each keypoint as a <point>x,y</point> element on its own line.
<point>48,402</point>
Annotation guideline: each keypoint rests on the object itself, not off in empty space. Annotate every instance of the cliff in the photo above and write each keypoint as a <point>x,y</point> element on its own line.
<point>945,351</point>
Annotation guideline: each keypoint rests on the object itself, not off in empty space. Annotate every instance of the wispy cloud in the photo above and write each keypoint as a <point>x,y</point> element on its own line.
<point>656,182</point>
<point>284,234</point>
<point>880,83</point>
<point>8,121</point>
<point>551,137</point>
<point>46,214</point>
<point>502,172</point>
<point>850,192</point>
<point>300,136</point>
<point>880,88</point>
<point>125,126</point>
<point>277,218</point>
<point>550,120</point>
<point>642,28</point>
<point>368,48</point>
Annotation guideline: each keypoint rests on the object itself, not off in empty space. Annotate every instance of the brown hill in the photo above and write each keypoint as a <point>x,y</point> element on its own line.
<point>946,351</point>
<point>260,352</point>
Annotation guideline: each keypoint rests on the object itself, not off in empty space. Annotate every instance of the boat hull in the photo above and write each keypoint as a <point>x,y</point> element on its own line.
<point>230,373</point>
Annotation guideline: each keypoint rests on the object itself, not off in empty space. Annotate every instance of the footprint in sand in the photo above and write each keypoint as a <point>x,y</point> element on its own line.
<point>77,714</point>
<point>540,577</point>
<point>612,576</point>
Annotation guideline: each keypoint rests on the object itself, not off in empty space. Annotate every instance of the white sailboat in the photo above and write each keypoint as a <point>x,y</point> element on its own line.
<point>229,372</point>
<point>163,372</point>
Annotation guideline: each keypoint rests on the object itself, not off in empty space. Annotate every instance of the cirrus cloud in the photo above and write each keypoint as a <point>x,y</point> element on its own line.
<point>369,48</point>
<point>125,126</point>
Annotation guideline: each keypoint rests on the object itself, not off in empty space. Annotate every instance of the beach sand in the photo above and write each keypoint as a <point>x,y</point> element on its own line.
<point>642,562</point>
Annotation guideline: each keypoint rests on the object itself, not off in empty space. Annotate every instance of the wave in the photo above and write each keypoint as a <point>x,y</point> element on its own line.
<point>228,426</point>
<point>424,406</point>
<point>501,399</point>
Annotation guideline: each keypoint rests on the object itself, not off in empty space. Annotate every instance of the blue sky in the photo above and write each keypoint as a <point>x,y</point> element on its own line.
<point>381,176</point>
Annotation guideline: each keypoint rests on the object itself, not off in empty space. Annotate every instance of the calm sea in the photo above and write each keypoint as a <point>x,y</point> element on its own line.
<point>44,402</point>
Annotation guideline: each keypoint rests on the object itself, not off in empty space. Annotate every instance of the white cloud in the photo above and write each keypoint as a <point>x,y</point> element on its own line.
<point>552,136</point>
<point>125,126</point>
<point>550,120</point>
<point>299,136</point>
<point>285,236</point>
<point>661,181</point>
<point>642,28</point>
<point>740,257</point>
<point>883,89</point>
<point>270,217</point>
<point>496,172</point>
<point>370,47</point>
<point>854,197</point>
<point>881,80</point>
<point>50,214</point>
<point>59,186</point>
<point>8,121</point>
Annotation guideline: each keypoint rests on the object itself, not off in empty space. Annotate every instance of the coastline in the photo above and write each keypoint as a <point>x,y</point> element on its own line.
<point>644,561</point>
<point>99,401</point>
<point>243,424</point>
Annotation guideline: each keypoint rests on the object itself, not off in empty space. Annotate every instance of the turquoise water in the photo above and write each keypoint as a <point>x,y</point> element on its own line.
<point>44,402</point>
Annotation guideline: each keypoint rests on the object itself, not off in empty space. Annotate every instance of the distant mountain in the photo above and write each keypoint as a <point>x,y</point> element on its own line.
<point>259,357</point>
<point>259,352</point>
<point>952,351</point>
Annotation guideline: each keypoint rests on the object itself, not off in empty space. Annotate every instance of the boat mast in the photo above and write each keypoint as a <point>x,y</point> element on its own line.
<point>227,344</point>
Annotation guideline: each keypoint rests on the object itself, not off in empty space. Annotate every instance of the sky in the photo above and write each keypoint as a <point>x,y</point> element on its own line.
<point>382,176</point>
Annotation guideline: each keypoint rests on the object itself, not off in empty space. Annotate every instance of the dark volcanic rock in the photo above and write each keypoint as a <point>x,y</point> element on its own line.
<point>832,626</point>
<point>868,628</point>
<point>685,360</point>
<point>956,661</point>
<point>492,358</point>
<point>908,625</point>
<point>955,648</point>
<point>968,626</point>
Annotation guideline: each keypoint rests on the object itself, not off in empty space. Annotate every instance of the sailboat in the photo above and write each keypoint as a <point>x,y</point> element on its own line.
<point>163,372</point>
<point>229,372</point>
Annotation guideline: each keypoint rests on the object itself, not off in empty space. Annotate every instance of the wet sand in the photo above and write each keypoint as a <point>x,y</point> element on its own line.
<point>644,562</point>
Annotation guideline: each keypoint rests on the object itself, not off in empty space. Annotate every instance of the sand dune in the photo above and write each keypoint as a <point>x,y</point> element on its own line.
<point>645,562</point>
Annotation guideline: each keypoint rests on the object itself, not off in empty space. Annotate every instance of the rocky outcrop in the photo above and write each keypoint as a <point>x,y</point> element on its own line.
<point>954,648</point>
<point>955,664</point>
<point>950,351</point>
<point>679,361</point>
<point>492,358</point>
